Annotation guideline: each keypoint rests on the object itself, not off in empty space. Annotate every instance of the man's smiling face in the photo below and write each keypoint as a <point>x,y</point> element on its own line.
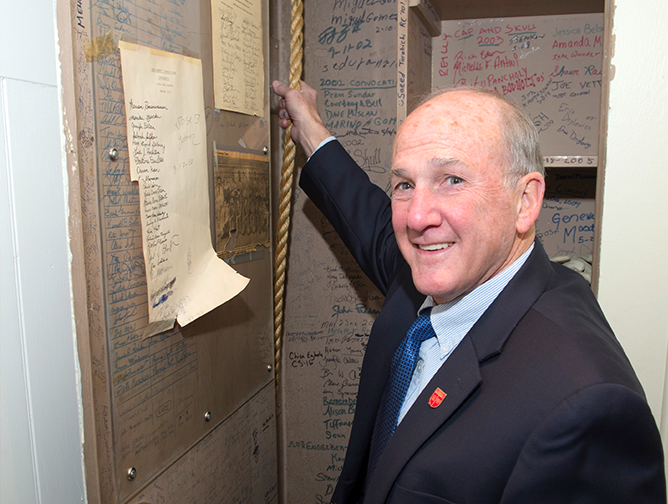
<point>453,215</point>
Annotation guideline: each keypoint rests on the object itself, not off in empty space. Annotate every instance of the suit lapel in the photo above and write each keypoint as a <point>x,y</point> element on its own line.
<point>460,376</point>
<point>459,379</point>
<point>490,332</point>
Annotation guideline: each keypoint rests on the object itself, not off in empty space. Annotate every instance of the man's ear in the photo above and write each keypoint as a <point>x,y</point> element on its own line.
<point>531,188</point>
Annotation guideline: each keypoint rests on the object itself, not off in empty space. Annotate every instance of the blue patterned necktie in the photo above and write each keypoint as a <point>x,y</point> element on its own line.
<point>401,373</point>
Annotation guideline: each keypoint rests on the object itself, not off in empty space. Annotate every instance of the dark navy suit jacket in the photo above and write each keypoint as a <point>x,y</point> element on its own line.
<point>542,404</point>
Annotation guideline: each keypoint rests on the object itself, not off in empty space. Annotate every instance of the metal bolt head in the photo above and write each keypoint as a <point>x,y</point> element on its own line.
<point>265,149</point>
<point>269,367</point>
<point>132,473</point>
<point>207,416</point>
<point>113,154</point>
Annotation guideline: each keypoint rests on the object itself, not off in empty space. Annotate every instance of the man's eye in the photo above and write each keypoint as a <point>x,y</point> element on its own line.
<point>455,180</point>
<point>402,186</point>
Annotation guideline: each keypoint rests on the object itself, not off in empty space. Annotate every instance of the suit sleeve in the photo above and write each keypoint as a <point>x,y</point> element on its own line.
<point>357,208</point>
<point>599,446</point>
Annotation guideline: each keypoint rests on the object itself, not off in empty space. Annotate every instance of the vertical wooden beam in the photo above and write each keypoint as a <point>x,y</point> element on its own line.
<point>608,75</point>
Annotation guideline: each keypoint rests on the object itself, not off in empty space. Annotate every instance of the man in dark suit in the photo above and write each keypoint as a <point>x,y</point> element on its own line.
<point>517,391</point>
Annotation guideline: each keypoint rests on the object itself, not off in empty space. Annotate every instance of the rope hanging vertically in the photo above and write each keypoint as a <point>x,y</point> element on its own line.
<point>285,200</point>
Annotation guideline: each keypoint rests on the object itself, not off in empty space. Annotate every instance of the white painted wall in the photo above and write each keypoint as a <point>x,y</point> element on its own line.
<point>40,433</point>
<point>633,285</point>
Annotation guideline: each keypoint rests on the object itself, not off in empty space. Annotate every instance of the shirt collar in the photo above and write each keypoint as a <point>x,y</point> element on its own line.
<point>455,318</point>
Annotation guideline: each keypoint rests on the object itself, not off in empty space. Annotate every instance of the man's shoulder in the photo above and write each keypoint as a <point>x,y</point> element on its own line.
<point>570,326</point>
<point>569,301</point>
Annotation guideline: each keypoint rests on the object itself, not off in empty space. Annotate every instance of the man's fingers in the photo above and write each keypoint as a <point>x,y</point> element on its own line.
<point>279,88</point>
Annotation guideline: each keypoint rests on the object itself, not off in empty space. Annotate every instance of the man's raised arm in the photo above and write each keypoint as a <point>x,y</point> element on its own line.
<point>300,107</point>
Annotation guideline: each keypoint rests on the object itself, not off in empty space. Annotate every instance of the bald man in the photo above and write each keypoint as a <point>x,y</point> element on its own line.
<point>491,374</point>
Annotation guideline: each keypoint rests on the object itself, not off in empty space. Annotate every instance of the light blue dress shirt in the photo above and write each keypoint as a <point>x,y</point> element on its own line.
<point>451,322</point>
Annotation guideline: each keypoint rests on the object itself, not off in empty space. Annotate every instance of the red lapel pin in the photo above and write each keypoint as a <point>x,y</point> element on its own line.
<point>437,398</point>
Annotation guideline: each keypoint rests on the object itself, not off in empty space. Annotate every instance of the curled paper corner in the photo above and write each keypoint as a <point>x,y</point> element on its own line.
<point>157,327</point>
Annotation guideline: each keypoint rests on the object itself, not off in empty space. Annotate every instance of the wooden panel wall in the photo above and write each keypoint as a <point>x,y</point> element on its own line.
<point>145,399</point>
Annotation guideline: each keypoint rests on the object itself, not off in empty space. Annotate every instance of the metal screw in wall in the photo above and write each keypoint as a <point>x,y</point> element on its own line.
<point>207,416</point>
<point>113,154</point>
<point>132,473</point>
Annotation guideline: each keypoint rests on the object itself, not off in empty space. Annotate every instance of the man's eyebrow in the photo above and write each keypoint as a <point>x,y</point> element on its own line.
<point>437,161</point>
<point>445,161</point>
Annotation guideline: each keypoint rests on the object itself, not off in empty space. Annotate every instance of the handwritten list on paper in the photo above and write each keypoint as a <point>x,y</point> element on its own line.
<point>238,66</point>
<point>167,143</point>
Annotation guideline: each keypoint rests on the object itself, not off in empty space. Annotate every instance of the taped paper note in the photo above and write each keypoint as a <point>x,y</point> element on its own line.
<point>238,65</point>
<point>164,108</point>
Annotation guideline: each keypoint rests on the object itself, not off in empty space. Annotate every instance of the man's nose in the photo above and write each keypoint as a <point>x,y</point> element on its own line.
<point>423,211</point>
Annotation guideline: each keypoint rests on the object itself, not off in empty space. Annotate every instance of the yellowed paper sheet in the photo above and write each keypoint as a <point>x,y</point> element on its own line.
<point>164,108</point>
<point>242,202</point>
<point>238,68</point>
